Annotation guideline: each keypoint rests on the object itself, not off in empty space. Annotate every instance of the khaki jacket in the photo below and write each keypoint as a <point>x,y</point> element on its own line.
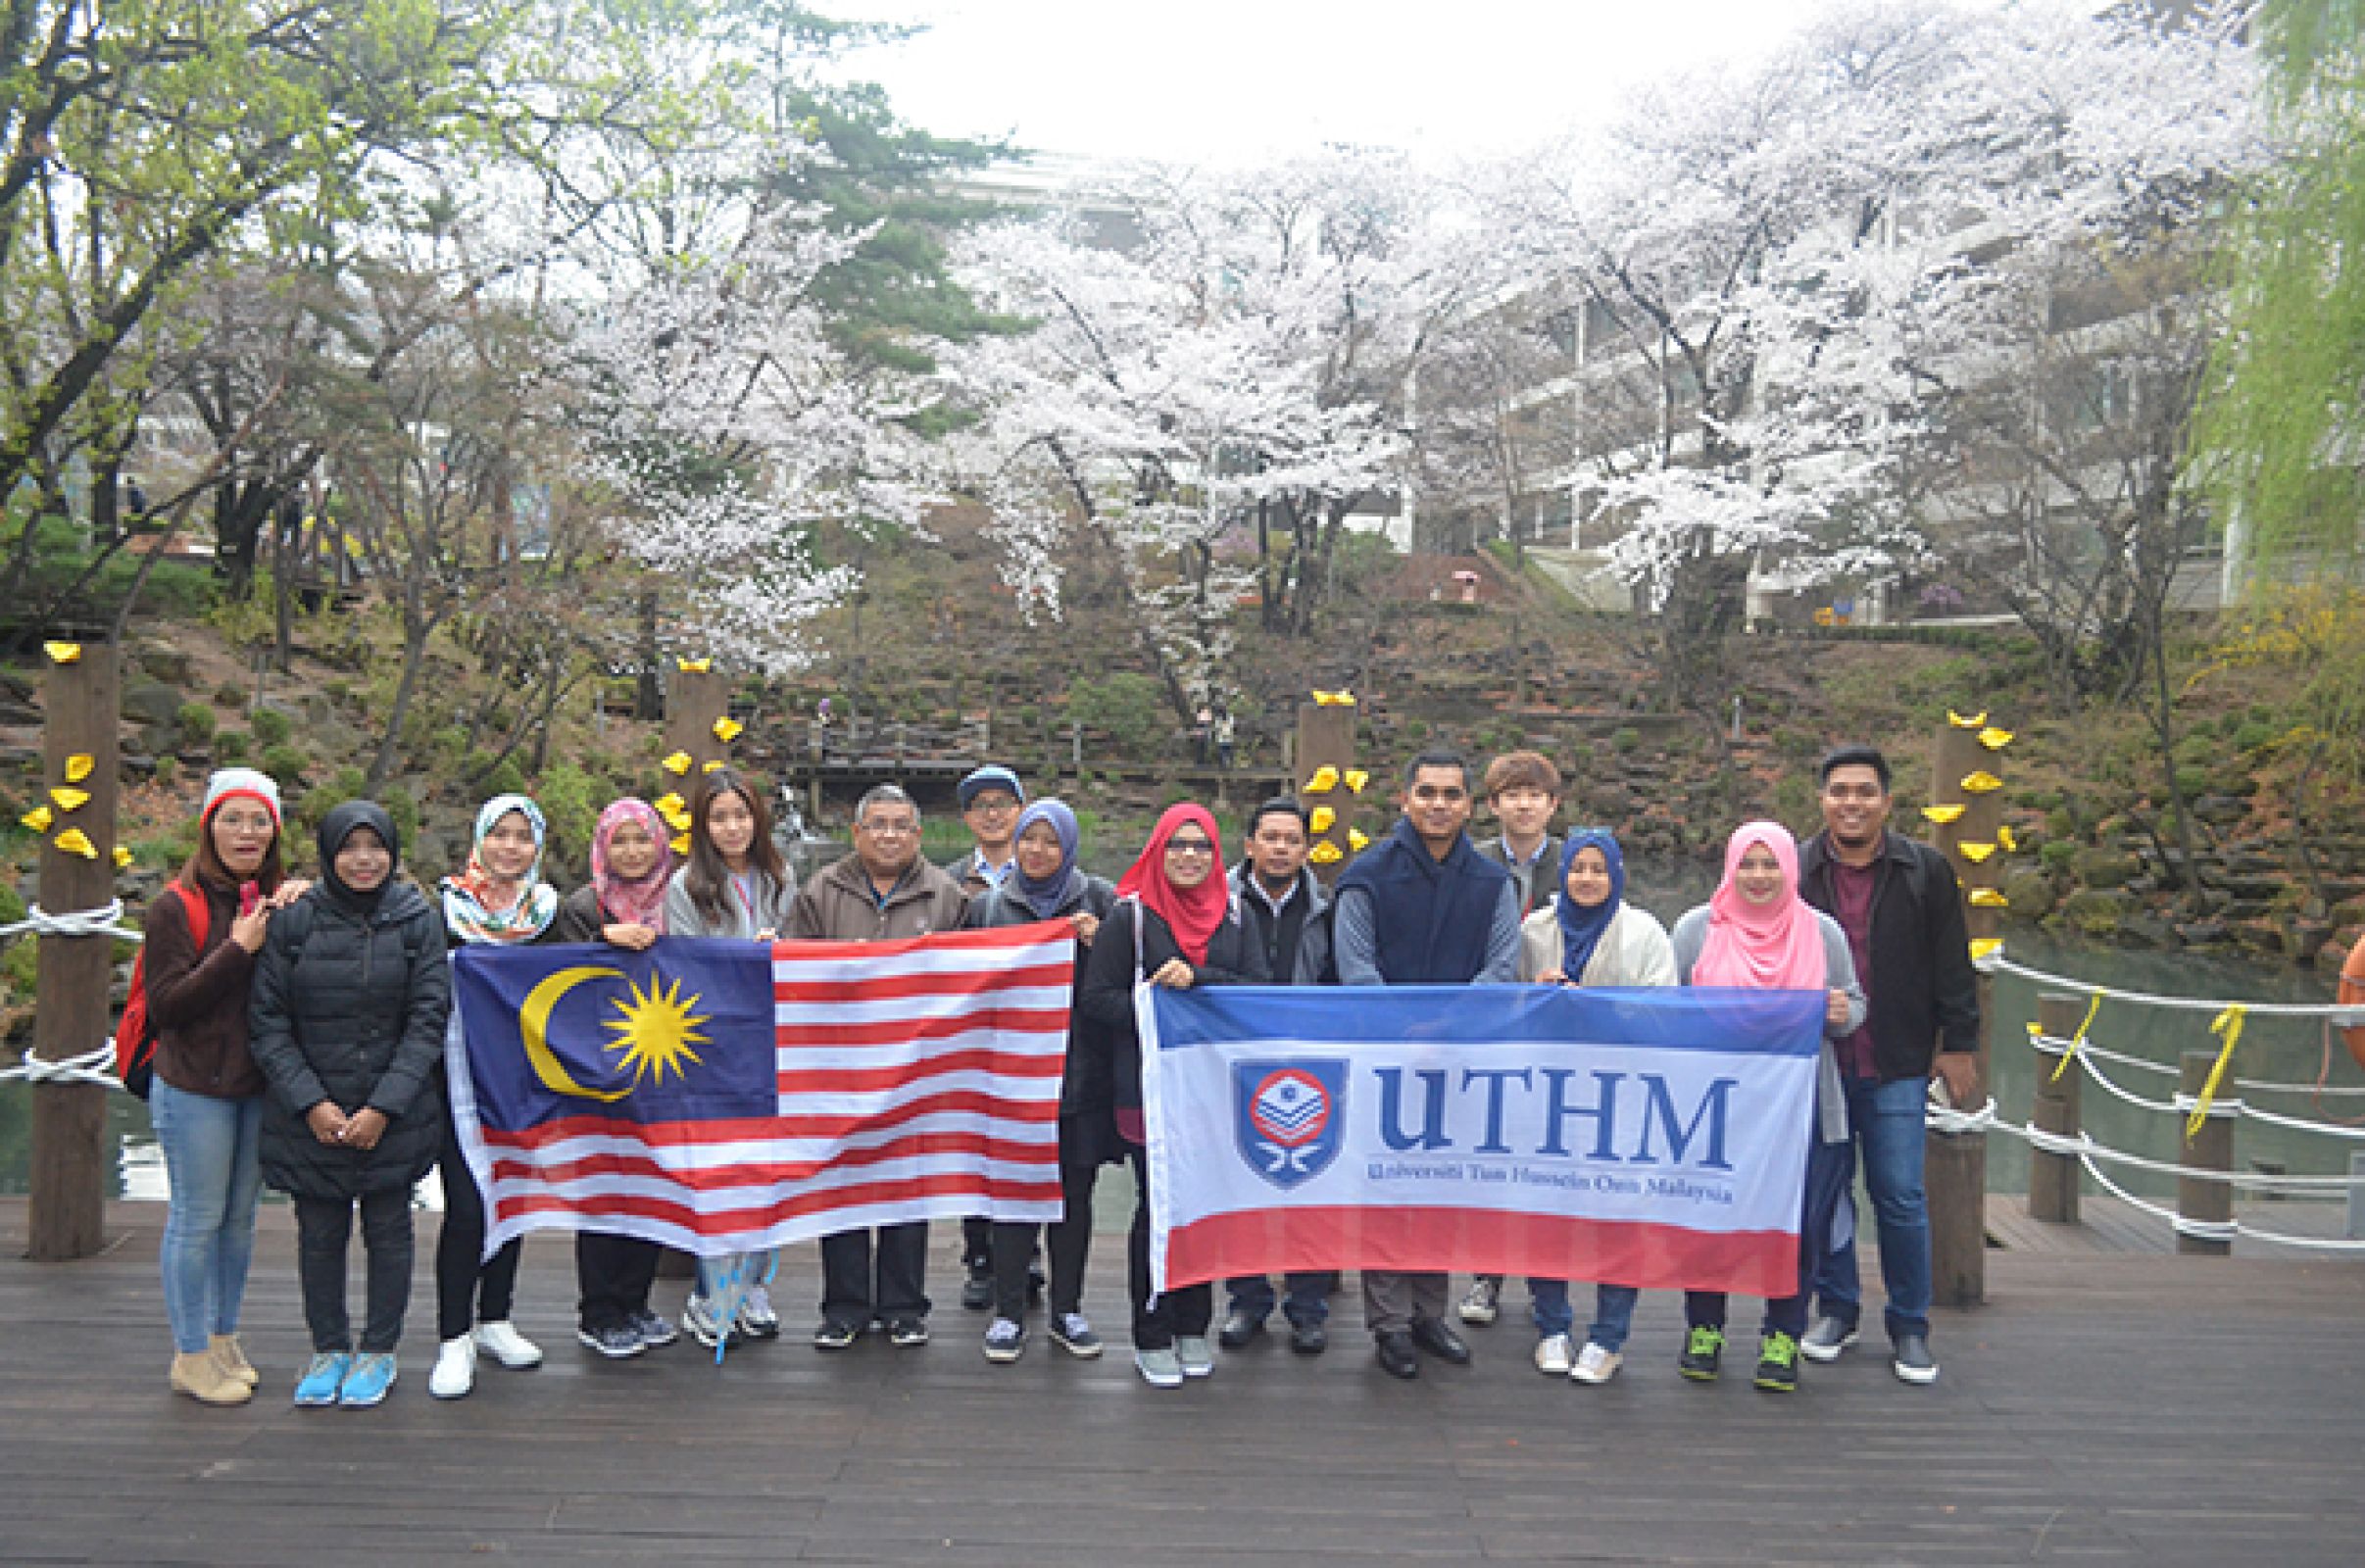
<point>840,905</point>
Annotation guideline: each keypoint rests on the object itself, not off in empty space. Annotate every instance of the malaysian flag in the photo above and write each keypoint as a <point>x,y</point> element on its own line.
<point>721,1096</point>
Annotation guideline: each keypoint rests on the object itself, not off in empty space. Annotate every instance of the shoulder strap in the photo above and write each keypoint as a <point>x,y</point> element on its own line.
<point>200,913</point>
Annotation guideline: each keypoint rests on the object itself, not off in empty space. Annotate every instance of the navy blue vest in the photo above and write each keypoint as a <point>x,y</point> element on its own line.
<point>1430,919</point>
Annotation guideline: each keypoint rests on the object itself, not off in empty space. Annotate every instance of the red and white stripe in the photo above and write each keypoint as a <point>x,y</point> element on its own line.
<point>918,1080</point>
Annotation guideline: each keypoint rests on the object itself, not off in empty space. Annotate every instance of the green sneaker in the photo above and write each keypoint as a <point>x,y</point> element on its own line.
<point>1703,1355</point>
<point>1778,1364</point>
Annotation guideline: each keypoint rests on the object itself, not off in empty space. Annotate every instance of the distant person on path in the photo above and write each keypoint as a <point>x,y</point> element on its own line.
<point>1422,907</point>
<point>990,799</point>
<point>1901,905</point>
<point>1285,912</point>
<point>883,892</point>
<point>1590,936</point>
<point>1757,933</point>
<point>206,1099</point>
<point>735,886</point>
<point>1174,926</point>
<point>351,994</point>
<point>1047,884</point>
<point>623,905</point>
<point>498,900</point>
<point>1227,736</point>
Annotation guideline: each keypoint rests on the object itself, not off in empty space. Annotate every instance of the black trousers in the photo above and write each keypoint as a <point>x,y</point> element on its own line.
<point>613,1275</point>
<point>854,1291</point>
<point>1070,1241</point>
<point>977,1244</point>
<point>470,1287</point>
<point>323,1227</point>
<point>1159,1319</point>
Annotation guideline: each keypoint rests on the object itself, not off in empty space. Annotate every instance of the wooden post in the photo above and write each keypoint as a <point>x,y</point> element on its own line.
<point>1326,739</point>
<point>2052,1179</point>
<point>66,1212</point>
<point>1956,1173</point>
<point>2210,1149</point>
<point>694,700</point>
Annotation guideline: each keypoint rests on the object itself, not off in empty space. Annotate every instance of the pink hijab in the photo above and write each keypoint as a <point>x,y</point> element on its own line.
<point>1764,946</point>
<point>636,903</point>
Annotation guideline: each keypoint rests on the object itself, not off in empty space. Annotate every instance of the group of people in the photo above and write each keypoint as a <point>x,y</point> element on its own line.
<point>302,1030</point>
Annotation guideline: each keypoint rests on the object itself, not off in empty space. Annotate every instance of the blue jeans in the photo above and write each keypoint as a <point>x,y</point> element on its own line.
<point>1613,1311</point>
<point>1887,1120</point>
<point>1308,1299</point>
<point>210,1148</point>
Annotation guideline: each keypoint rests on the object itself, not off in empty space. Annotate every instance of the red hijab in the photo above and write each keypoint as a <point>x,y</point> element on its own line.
<point>1194,914</point>
<point>1770,946</point>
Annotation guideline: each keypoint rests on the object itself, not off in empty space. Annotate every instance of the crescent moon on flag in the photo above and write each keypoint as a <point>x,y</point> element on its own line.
<point>533,1027</point>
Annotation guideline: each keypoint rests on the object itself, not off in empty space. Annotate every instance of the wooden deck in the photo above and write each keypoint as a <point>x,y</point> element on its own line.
<point>2116,1408</point>
<point>2108,1225</point>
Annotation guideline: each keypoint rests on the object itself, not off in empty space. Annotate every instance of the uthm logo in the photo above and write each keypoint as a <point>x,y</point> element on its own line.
<point>1288,1116</point>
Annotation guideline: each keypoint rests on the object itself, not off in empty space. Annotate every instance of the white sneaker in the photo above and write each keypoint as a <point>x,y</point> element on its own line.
<point>1596,1365</point>
<point>503,1343</point>
<point>757,1319</point>
<point>455,1371</point>
<point>1478,1302</point>
<point>1551,1355</point>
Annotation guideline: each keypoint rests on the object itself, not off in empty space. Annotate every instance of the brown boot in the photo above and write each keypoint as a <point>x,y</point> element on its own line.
<point>232,1360</point>
<point>202,1379</point>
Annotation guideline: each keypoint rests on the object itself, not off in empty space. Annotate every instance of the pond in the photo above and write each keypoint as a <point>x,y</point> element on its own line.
<point>2282,1050</point>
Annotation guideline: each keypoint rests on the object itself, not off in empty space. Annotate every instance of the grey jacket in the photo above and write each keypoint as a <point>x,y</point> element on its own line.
<point>770,914</point>
<point>1691,934</point>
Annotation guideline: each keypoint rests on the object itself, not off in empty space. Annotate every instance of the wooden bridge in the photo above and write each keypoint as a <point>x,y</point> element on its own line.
<point>2124,1408</point>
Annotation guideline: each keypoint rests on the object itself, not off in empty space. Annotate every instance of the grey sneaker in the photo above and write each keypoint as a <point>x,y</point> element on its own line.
<point>1197,1358</point>
<point>757,1319</point>
<point>1159,1368</point>
<point>1913,1363</point>
<point>1073,1332</point>
<point>1478,1302</point>
<point>831,1336</point>
<point>1005,1340</point>
<point>1825,1338</point>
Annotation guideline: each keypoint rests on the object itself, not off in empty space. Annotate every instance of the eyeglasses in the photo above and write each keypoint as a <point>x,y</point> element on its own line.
<point>1189,847</point>
<point>996,803</point>
<point>890,829</point>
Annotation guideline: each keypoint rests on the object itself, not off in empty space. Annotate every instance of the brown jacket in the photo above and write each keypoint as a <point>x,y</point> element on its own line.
<point>840,905</point>
<point>197,1001</point>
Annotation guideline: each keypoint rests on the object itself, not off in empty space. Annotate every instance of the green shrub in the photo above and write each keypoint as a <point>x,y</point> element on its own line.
<point>229,747</point>
<point>570,801</point>
<point>272,726</point>
<point>20,967</point>
<point>197,721</point>
<point>1128,707</point>
<point>285,763</point>
<point>11,908</point>
<point>1623,741</point>
<point>2058,855</point>
<point>167,768</point>
<point>2252,736</point>
<point>506,779</point>
<point>402,806</point>
<point>230,694</point>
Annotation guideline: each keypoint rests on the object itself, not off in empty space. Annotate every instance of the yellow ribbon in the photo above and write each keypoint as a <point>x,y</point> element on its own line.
<point>2075,1039</point>
<point>1975,721</point>
<point>1943,814</point>
<point>2227,1027</point>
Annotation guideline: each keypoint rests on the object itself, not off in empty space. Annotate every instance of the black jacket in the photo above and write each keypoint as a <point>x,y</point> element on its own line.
<point>1106,1055</point>
<point>1925,994</point>
<point>350,1007</point>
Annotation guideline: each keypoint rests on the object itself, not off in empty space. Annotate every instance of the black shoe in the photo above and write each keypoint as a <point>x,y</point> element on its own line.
<point>1238,1329</point>
<point>1397,1356</point>
<point>1438,1341</point>
<point>1703,1355</point>
<point>655,1331</point>
<point>617,1342</point>
<point>977,1290</point>
<point>1308,1339</point>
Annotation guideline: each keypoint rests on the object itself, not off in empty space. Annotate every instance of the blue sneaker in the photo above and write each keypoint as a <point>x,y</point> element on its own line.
<point>322,1377</point>
<point>366,1384</point>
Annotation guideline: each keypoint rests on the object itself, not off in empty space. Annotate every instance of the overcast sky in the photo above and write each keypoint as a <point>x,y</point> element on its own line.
<point>1234,80</point>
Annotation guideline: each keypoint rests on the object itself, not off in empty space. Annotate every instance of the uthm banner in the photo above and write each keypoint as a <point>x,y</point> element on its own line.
<point>1648,1138</point>
<point>725,1096</point>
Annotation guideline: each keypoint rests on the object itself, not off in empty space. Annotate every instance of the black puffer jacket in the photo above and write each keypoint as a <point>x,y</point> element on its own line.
<point>1105,1056</point>
<point>349,1005</point>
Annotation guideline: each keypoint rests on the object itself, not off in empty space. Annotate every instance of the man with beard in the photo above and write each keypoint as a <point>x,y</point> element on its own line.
<point>1901,906</point>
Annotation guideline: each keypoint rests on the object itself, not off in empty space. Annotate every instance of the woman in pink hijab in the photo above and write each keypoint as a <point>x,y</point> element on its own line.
<point>1756,934</point>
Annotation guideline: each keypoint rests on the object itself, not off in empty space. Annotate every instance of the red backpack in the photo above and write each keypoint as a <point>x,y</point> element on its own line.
<point>135,1041</point>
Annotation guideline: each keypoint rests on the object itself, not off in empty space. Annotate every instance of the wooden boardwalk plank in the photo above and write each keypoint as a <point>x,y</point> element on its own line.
<point>2104,1408</point>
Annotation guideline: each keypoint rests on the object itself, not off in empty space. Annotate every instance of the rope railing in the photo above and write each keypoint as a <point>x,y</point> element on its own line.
<point>2339,1015</point>
<point>91,1066</point>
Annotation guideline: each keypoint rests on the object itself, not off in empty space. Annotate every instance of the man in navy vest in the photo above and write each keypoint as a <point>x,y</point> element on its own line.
<point>1424,907</point>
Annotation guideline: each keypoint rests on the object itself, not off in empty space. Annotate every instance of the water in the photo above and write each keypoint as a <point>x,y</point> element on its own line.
<point>2283,1050</point>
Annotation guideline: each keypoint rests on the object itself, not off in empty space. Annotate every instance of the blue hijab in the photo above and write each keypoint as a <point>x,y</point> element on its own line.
<point>1581,929</point>
<point>1046,897</point>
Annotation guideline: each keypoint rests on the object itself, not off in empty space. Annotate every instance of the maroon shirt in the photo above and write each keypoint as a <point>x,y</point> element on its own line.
<point>1851,893</point>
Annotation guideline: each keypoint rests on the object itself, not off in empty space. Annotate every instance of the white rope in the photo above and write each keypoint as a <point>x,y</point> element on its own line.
<point>86,1068</point>
<point>2091,1055</point>
<point>2345,1016</point>
<point>106,922</point>
<point>2082,1146</point>
<point>2296,1124</point>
